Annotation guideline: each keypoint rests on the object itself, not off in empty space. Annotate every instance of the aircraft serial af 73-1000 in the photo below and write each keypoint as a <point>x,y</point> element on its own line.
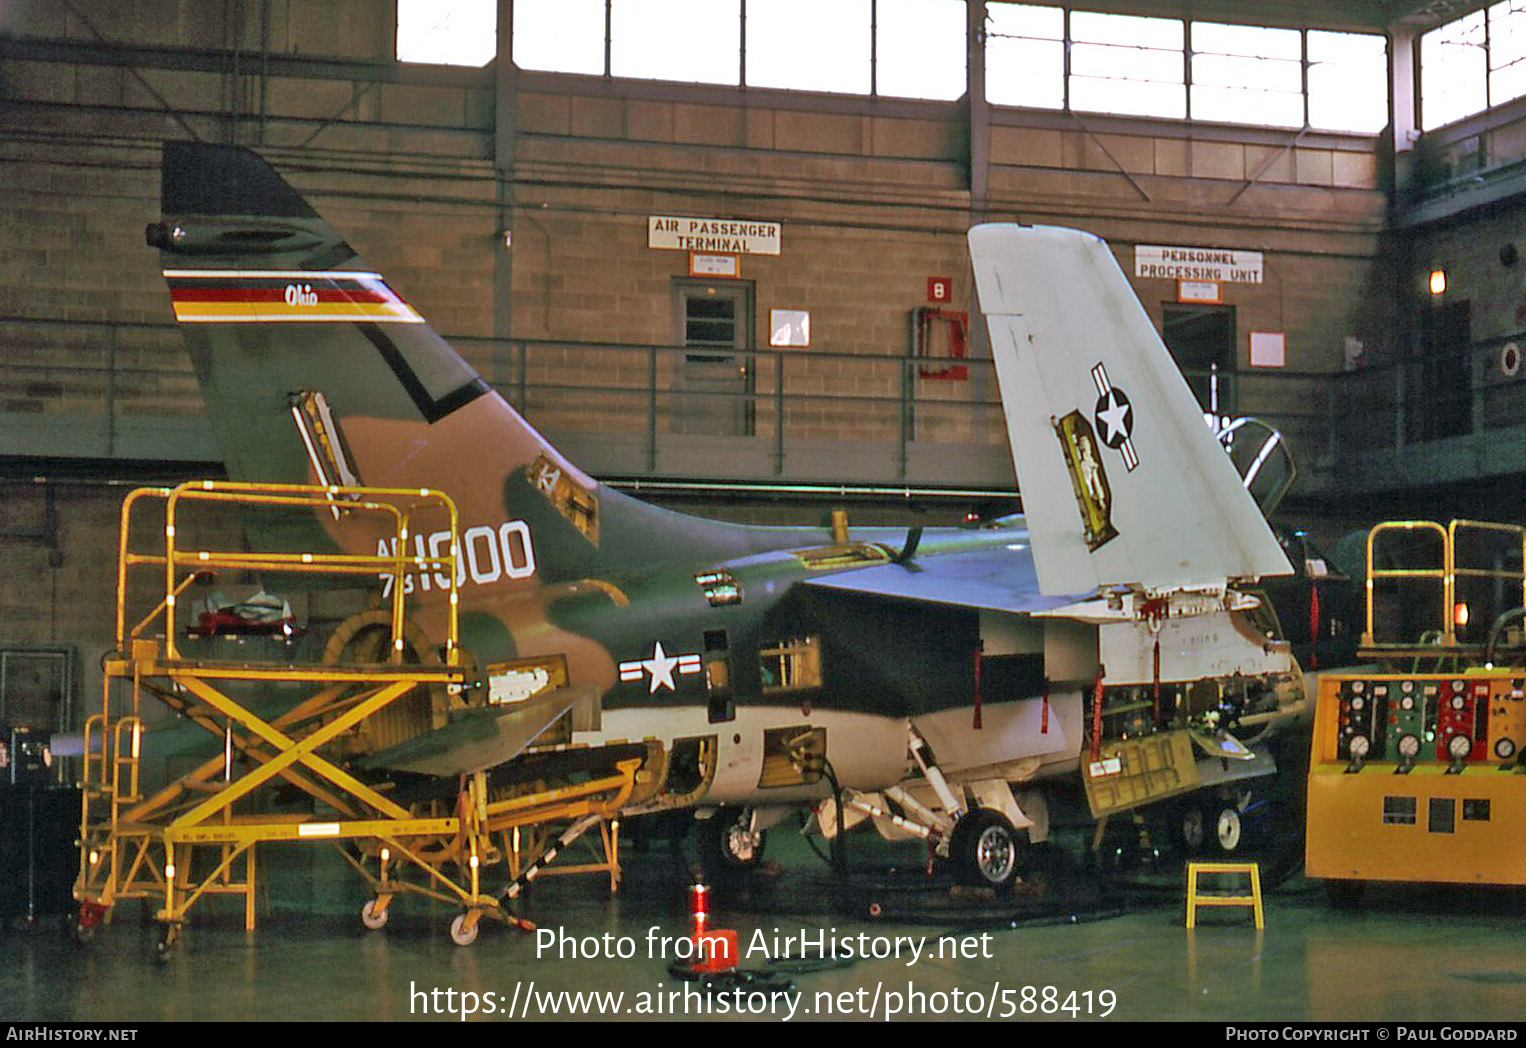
<point>946,679</point>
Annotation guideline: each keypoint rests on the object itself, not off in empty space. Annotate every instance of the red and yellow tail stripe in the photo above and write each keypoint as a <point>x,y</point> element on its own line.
<point>227,296</point>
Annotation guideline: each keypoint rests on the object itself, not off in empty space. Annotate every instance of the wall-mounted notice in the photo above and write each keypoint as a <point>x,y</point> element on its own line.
<point>1198,263</point>
<point>720,235</point>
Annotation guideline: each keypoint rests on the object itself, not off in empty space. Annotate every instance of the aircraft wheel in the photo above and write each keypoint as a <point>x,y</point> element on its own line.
<point>1192,829</point>
<point>1229,830</point>
<point>461,933</point>
<point>727,844</point>
<point>985,849</point>
<point>371,917</point>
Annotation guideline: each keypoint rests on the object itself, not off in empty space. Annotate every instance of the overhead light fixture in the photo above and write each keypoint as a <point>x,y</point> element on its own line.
<point>1438,283</point>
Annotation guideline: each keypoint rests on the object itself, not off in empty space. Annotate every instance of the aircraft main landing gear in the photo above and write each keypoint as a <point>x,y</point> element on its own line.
<point>985,849</point>
<point>729,843</point>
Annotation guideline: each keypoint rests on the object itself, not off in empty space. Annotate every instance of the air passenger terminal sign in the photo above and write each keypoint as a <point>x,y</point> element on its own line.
<point>712,235</point>
<point>1198,263</point>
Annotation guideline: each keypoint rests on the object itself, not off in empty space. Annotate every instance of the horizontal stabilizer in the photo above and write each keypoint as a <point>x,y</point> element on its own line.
<point>482,738</point>
<point>999,579</point>
<point>1122,482</point>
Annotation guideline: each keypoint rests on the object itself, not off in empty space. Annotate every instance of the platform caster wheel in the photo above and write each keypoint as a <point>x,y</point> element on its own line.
<point>167,946</point>
<point>83,934</point>
<point>373,918</point>
<point>461,933</point>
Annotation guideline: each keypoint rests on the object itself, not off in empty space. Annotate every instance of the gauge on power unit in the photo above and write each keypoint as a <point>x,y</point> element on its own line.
<point>1504,749</point>
<point>1362,717</point>
<point>1459,746</point>
<point>1408,748</point>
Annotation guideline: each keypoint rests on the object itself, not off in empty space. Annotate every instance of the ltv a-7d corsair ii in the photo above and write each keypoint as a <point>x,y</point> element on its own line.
<point>944,679</point>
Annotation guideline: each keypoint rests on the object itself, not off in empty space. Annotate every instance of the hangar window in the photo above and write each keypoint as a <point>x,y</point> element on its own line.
<point>1127,64</point>
<point>919,48</point>
<point>1507,51</point>
<point>1244,74</point>
<point>810,46</point>
<point>1025,56</point>
<point>695,41</point>
<point>1453,63</point>
<point>1348,81</point>
<point>447,32</point>
<point>559,36</point>
<point>1472,63</point>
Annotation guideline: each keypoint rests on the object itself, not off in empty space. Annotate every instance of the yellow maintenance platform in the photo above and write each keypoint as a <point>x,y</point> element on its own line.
<point>199,834</point>
<point>1415,772</point>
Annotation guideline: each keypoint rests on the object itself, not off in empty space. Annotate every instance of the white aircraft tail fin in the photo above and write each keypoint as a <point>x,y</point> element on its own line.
<point>1122,482</point>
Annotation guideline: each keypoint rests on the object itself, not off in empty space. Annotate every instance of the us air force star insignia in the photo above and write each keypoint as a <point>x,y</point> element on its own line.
<point>661,666</point>
<point>1114,416</point>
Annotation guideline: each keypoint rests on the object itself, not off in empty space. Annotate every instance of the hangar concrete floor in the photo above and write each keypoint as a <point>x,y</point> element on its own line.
<point>1407,954</point>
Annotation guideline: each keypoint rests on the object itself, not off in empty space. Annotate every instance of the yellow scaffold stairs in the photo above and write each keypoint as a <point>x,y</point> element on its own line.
<point>198,835</point>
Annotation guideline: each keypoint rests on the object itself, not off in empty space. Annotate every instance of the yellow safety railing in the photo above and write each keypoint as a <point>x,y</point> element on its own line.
<point>1446,570</point>
<point>396,507</point>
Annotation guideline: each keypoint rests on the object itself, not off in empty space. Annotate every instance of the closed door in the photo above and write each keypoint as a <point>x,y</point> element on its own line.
<point>714,382</point>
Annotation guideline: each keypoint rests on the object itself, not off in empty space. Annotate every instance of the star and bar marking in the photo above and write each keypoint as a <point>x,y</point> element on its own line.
<point>661,666</point>
<point>1114,417</point>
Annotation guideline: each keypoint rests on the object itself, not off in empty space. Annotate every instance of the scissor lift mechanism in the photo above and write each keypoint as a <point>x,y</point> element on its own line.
<point>198,835</point>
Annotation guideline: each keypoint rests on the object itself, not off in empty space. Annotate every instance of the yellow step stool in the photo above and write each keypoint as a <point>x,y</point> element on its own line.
<point>1253,900</point>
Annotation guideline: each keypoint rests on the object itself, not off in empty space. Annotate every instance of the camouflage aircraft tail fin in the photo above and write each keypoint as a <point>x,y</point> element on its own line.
<point>315,370</point>
<point>1122,482</point>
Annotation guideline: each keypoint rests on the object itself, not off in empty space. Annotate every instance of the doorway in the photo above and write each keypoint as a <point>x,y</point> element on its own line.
<point>1440,399</point>
<point>714,381</point>
<point>1202,341</point>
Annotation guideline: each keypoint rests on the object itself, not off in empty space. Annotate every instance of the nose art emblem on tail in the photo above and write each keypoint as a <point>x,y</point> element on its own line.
<point>1114,416</point>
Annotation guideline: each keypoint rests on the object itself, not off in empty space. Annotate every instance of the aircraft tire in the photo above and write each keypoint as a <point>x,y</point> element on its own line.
<point>725,846</point>
<point>1229,831</point>
<point>1192,824</point>
<point>986,851</point>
